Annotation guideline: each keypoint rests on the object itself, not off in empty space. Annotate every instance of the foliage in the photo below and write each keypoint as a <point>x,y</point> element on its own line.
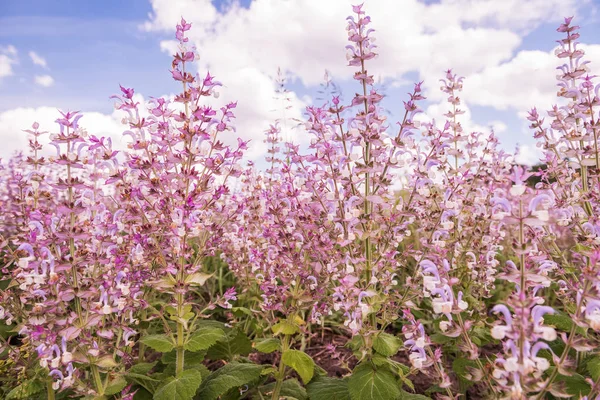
<point>479,277</point>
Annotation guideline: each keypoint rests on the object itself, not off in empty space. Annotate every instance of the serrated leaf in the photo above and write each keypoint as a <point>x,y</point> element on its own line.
<point>240,311</point>
<point>386,344</point>
<point>182,387</point>
<point>301,362</point>
<point>267,345</point>
<point>575,384</point>
<point>234,344</point>
<point>160,343</point>
<point>204,338</point>
<point>115,386</point>
<point>328,389</point>
<point>438,338</point>
<point>25,390</point>
<point>368,383</point>
<point>593,367</point>
<point>189,360</point>
<point>147,382</point>
<point>230,376</point>
<point>142,368</point>
<point>285,327</point>
<point>412,396</point>
<point>290,390</point>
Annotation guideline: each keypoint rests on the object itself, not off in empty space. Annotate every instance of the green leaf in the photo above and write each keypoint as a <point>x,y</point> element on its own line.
<point>142,394</point>
<point>412,396</point>
<point>182,387</point>
<point>142,368</point>
<point>368,383</point>
<point>189,360</point>
<point>460,367</point>
<point>438,338</point>
<point>160,343</point>
<point>325,388</point>
<point>593,367</point>
<point>574,384</point>
<point>25,390</point>
<point>115,386</point>
<point>147,382</point>
<point>562,322</point>
<point>290,390</point>
<point>240,311</point>
<point>285,327</point>
<point>300,362</point>
<point>203,338</point>
<point>234,344</point>
<point>230,376</point>
<point>267,345</point>
<point>386,344</point>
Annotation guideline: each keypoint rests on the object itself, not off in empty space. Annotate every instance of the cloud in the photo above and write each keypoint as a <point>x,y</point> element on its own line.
<point>12,123</point>
<point>243,47</point>
<point>44,80</point>
<point>8,57</point>
<point>529,155</point>
<point>526,81</point>
<point>37,59</point>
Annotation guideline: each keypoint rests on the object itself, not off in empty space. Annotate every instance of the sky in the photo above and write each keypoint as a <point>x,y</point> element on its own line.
<point>73,54</point>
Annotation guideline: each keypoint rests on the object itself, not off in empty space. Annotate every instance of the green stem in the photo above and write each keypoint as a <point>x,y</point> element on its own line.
<point>281,371</point>
<point>97,379</point>
<point>49,389</point>
<point>180,350</point>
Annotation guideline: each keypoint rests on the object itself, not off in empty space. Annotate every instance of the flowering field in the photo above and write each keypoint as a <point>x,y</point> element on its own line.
<point>384,261</point>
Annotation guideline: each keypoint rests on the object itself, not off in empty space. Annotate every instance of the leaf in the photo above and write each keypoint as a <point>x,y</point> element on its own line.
<point>160,343</point>
<point>203,338</point>
<point>240,311</point>
<point>182,387</point>
<point>189,359</point>
<point>575,384</point>
<point>142,394</point>
<point>290,390</point>
<point>300,362</point>
<point>234,344</point>
<point>562,322</point>
<point>230,376</point>
<point>197,279</point>
<point>285,327</point>
<point>106,362</point>
<point>386,344</point>
<point>368,383</point>
<point>142,368</point>
<point>147,382</point>
<point>328,389</point>
<point>459,366</point>
<point>412,396</point>
<point>25,390</point>
<point>115,386</point>
<point>593,367</point>
<point>438,338</point>
<point>267,345</point>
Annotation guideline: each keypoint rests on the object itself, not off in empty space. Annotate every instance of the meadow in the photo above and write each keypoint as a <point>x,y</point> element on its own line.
<point>386,260</point>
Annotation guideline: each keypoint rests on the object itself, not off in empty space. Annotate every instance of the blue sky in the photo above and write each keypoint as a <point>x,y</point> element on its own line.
<point>90,47</point>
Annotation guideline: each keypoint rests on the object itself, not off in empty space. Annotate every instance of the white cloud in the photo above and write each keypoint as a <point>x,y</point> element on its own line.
<point>243,47</point>
<point>37,59</point>
<point>44,80</point>
<point>8,57</point>
<point>526,81</point>
<point>529,155</point>
<point>12,123</point>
